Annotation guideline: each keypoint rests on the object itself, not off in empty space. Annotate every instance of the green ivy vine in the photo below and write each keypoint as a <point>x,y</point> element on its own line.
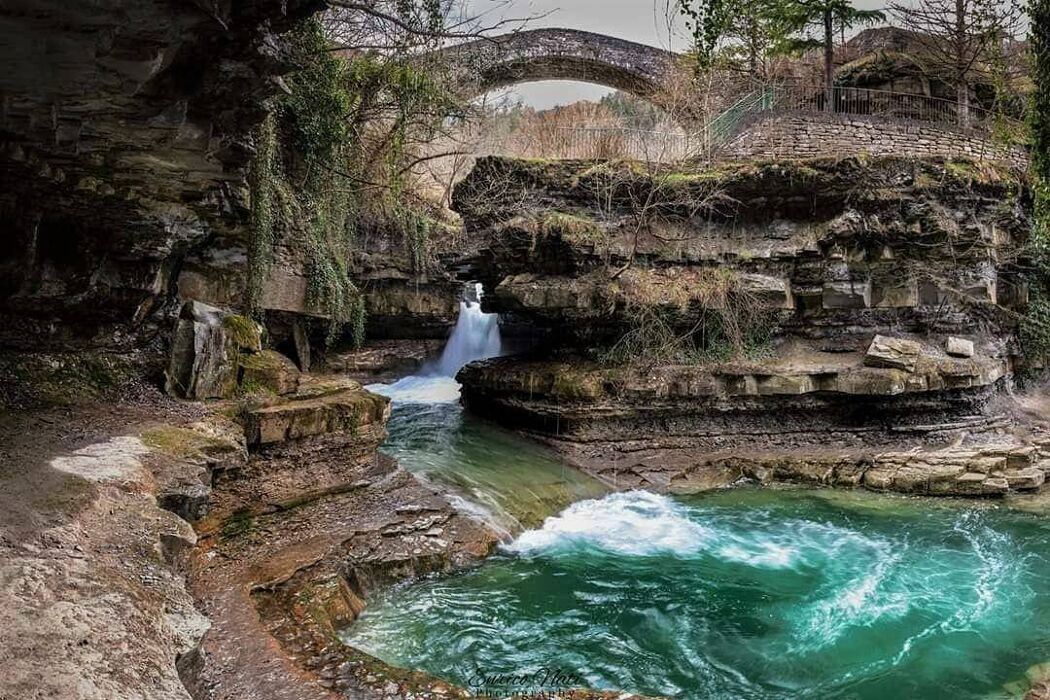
<point>1035,328</point>
<point>330,161</point>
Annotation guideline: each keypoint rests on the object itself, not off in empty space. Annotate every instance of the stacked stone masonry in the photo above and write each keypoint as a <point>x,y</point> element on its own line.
<point>812,135</point>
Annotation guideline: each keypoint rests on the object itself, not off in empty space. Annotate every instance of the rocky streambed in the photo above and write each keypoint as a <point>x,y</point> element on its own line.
<point>301,525</point>
<point>883,368</point>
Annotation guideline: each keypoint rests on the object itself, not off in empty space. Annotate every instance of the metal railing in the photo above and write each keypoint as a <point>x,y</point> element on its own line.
<point>611,142</point>
<point>881,105</point>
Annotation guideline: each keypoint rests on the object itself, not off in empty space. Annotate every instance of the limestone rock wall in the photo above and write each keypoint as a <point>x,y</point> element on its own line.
<point>880,295</point>
<point>836,250</point>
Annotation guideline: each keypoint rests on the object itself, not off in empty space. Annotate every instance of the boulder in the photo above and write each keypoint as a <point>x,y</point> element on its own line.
<point>268,371</point>
<point>205,347</point>
<point>346,408</point>
<point>959,347</point>
<point>772,292</point>
<point>893,353</point>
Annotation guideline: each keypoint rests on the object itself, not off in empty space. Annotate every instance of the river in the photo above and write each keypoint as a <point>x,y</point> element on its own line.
<point>741,593</point>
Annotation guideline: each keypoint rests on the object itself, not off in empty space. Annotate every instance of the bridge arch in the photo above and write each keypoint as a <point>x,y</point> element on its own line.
<point>491,63</point>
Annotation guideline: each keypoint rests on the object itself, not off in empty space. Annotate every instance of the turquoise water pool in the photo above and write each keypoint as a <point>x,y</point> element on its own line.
<point>744,593</point>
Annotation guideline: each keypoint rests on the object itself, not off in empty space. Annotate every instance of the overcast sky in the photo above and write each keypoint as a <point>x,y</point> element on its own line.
<point>637,20</point>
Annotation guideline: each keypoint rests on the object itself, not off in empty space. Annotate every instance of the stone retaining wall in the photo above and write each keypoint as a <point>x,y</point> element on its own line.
<point>797,135</point>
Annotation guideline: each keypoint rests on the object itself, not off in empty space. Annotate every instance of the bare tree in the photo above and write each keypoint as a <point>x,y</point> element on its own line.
<point>963,41</point>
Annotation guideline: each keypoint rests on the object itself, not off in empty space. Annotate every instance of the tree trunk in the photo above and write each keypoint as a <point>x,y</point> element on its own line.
<point>829,62</point>
<point>962,87</point>
<point>753,46</point>
<point>962,98</point>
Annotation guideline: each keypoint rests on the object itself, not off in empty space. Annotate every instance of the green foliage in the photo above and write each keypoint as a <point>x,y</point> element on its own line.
<point>330,163</point>
<point>707,21</point>
<point>798,16</point>
<point>263,173</point>
<point>320,98</point>
<point>755,29</point>
<point>1035,329</point>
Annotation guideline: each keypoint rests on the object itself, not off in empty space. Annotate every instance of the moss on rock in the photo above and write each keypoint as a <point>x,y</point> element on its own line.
<point>268,371</point>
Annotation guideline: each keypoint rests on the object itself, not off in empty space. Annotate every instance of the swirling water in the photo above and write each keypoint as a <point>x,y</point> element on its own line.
<point>743,593</point>
<point>730,595</point>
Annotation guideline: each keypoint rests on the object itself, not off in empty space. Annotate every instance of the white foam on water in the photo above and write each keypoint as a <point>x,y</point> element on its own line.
<point>416,389</point>
<point>860,598</point>
<point>641,523</point>
<point>765,555</point>
<point>634,523</point>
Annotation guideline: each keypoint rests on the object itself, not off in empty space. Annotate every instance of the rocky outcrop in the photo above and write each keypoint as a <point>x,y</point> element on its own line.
<point>206,346</point>
<point>400,303</point>
<point>802,394</point>
<point>862,301</point>
<point>121,149</point>
<point>321,409</point>
<point>298,535</point>
<point>984,468</point>
<point>383,360</point>
<point>833,249</point>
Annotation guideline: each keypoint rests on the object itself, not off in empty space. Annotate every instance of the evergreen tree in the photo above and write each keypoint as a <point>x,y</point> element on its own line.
<point>799,19</point>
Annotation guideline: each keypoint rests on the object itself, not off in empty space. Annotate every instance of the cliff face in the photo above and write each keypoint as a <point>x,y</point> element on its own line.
<point>121,128</point>
<point>839,250</point>
<point>758,305</point>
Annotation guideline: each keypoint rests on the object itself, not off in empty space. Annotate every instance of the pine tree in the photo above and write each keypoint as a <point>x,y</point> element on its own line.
<point>827,17</point>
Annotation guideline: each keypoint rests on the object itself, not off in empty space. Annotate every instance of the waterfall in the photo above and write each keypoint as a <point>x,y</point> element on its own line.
<point>475,337</point>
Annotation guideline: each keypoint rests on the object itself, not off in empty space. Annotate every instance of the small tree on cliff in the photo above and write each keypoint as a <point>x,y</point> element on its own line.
<point>827,18</point>
<point>962,41</point>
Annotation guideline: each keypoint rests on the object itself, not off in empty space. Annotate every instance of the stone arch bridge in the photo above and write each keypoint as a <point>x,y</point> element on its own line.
<point>559,54</point>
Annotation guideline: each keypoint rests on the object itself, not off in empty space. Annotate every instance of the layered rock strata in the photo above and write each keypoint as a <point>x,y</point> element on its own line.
<point>121,149</point>
<point>876,303</point>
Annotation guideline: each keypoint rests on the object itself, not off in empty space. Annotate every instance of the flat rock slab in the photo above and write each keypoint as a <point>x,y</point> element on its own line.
<point>893,353</point>
<point>959,347</point>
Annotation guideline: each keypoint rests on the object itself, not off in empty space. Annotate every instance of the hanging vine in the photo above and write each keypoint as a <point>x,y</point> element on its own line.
<point>1036,326</point>
<point>262,174</point>
<point>330,162</point>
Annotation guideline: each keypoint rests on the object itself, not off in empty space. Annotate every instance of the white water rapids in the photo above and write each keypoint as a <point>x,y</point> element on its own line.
<point>475,337</point>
